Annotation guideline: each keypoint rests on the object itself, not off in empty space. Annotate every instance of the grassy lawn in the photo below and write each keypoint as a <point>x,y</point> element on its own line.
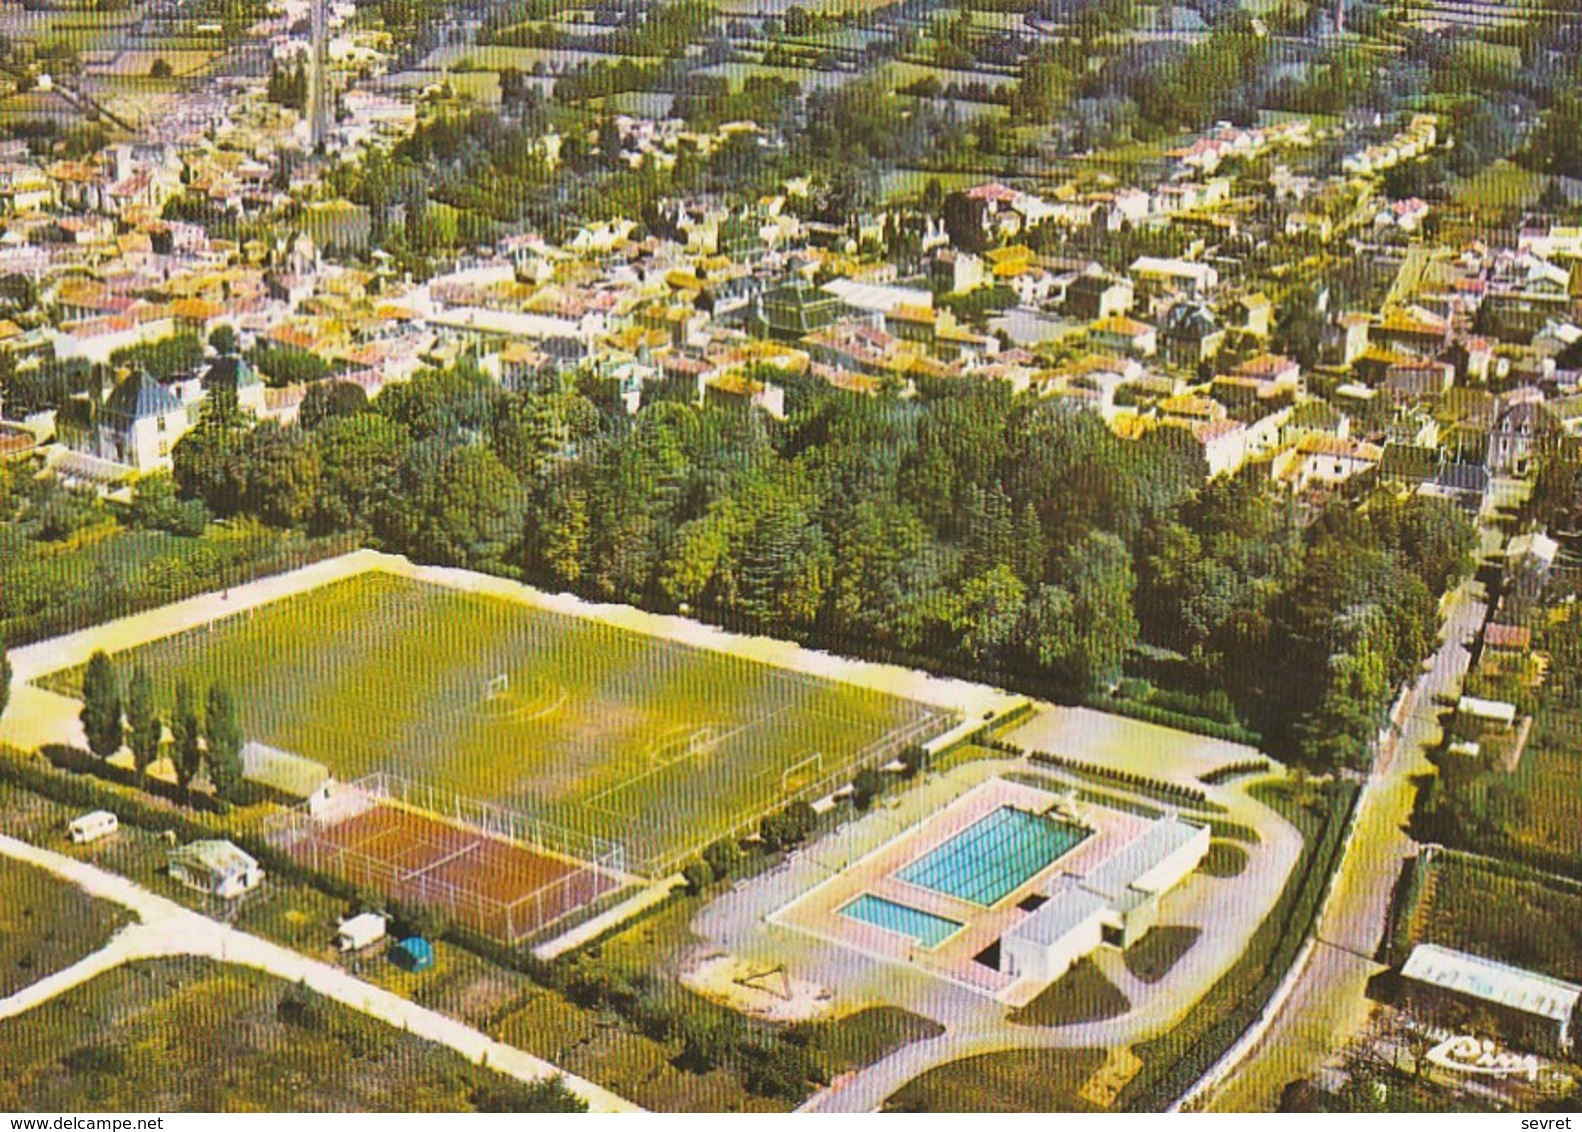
<point>863,1037</point>
<point>1023,1080</point>
<point>1157,952</point>
<point>187,1035</point>
<point>1082,994</point>
<point>601,729</point>
<point>1500,911</point>
<point>46,925</point>
<point>1549,781</point>
<point>1224,859</point>
<point>634,1065</point>
<point>1500,186</point>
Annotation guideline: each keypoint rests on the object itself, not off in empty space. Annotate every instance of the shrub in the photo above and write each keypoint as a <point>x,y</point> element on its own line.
<point>867,786</point>
<point>95,1059</point>
<point>697,875</point>
<point>721,857</point>
<point>301,1007</point>
<point>499,1094</point>
<point>417,919</point>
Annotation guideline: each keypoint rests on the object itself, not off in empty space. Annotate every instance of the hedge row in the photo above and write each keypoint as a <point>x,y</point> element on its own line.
<point>1222,774</point>
<point>1174,791</point>
<point>1181,721</point>
<point>987,735</point>
<point>1403,909</point>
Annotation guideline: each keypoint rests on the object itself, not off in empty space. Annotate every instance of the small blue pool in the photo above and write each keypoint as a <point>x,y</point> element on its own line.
<point>994,856</point>
<point>924,927</point>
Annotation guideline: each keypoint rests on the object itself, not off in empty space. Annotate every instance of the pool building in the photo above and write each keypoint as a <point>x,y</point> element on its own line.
<point>1114,903</point>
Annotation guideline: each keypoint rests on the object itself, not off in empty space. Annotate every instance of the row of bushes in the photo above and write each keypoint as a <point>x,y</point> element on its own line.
<point>1404,904</point>
<point>1170,1072</point>
<point>1222,774</point>
<point>1172,791</point>
<point>1181,721</point>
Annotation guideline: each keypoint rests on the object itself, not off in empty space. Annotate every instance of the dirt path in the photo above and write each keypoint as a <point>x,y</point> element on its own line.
<point>169,929</point>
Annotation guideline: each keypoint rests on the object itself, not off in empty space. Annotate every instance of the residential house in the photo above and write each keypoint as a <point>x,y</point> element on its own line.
<point>1095,295</point>
<point>1156,277</point>
<point>1121,335</point>
<point>1326,462</point>
<point>1190,334</point>
<point>136,426</point>
<point>1520,433</point>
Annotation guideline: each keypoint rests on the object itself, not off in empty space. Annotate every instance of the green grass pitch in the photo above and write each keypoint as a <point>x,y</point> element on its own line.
<point>609,732</point>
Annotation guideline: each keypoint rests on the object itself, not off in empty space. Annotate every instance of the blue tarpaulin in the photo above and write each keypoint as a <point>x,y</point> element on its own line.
<point>414,953</point>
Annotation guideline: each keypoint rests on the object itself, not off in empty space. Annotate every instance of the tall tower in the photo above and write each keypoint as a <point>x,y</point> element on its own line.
<point>320,106</point>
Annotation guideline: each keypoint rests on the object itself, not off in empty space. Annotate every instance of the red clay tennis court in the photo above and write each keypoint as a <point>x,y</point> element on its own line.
<point>498,886</point>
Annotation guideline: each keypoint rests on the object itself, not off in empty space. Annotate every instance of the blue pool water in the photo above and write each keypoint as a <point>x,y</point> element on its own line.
<point>925,927</point>
<point>993,856</point>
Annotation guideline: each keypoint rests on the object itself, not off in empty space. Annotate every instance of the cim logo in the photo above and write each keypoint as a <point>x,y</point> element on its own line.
<point>1467,1054</point>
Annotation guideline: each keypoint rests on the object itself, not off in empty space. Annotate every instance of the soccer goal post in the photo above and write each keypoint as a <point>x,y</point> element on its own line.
<point>801,773</point>
<point>497,686</point>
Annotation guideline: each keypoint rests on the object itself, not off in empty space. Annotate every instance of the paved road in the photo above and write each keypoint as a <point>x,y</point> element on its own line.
<point>169,929</point>
<point>1329,1003</point>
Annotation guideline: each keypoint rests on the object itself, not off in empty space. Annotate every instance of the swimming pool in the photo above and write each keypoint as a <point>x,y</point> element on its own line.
<point>993,856</point>
<point>924,927</point>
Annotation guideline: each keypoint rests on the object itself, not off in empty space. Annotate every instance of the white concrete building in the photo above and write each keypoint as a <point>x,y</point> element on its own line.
<point>1045,945</point>
<point>1116,903</point>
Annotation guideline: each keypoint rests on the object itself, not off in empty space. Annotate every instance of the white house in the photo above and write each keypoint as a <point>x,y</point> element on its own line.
<point>137,426</point>
<point>215,867</point>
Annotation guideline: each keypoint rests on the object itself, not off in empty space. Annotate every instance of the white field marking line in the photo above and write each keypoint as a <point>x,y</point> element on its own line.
<point>599,799</point>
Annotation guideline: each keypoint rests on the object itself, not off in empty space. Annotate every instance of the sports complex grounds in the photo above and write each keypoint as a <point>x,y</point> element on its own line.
<point>598,746</point>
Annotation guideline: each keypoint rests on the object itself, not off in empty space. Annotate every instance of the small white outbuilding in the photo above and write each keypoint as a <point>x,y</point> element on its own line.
<point>361,931</point>
<point>92,826</point>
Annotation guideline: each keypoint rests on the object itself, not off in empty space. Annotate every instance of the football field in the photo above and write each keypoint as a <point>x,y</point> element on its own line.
<point>602,730</point>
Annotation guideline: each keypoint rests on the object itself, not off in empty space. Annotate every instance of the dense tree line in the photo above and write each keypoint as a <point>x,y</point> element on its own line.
<point>1005,538</point>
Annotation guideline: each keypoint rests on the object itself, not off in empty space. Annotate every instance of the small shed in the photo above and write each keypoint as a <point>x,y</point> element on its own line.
<point>413,954</point>
<point>360,931</point>
<point>1486,712</point>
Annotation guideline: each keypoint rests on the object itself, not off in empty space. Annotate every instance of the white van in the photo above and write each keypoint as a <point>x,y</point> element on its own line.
<point>91,827</point>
